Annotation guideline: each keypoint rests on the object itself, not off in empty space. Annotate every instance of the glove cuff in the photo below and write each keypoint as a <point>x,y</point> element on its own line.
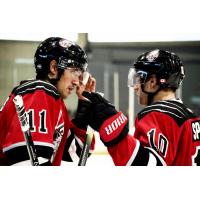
<point>80,121</point>
<point>114,129</point>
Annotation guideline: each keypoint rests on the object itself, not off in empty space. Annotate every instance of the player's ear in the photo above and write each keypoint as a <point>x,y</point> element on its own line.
<point>53,70</point>
<point>152,82</point>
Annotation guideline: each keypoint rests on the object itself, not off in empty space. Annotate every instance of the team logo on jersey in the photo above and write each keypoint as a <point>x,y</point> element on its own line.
<point>152,55</point>
<point>196,130</point>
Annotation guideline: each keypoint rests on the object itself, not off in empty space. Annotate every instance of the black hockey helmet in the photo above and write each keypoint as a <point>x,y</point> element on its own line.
<point>166,65</point>
<point>65,52</point>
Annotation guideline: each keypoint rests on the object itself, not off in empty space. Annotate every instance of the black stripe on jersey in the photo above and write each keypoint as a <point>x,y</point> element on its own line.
<point>174,109</point>
<point>78,149</point>
<point>66,155</point>
<point>20,153</point>
<point>153,155</point>
<point>141,158</point>
<point>32,86</point>
<point>147,157</point>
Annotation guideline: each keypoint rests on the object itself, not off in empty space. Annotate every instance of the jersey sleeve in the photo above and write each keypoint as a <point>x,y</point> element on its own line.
<point>80,136</point>
<point>130,152</point>
<point>74,144</point>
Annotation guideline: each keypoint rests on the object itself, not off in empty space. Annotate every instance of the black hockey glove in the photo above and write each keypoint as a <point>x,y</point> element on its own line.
<point>111,124</point>
<point>83,114</point>
<point>101,108</point>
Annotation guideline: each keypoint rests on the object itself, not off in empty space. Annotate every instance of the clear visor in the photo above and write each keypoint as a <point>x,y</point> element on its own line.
<point>136,77</point>
<point>76,72</point>
<point>82,75</point>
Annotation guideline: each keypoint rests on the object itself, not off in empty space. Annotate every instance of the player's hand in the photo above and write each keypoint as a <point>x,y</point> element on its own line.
<point>102,109</point>
<point>111,124</point>
<point>87,83</point>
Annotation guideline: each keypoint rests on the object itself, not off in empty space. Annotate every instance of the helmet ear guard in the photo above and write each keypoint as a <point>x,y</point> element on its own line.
<point>174,81</point>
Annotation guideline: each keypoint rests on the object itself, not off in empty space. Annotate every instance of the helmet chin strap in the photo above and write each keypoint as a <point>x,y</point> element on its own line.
<point>150,94</point>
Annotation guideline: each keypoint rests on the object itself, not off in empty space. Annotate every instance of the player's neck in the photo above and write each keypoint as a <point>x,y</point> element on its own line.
<point>164,95</point>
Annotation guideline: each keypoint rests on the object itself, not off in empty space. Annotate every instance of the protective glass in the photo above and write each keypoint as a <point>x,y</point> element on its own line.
<point>136,77</point>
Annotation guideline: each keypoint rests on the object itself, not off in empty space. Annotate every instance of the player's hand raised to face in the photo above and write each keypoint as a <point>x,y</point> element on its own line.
<point>88,85</point>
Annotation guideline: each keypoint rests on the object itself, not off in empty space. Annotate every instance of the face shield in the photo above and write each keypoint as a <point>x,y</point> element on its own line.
<point>136,77</point>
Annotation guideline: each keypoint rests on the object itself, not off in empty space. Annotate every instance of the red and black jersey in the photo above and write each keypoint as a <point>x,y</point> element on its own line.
<point>166,133</point>
<point>51,128</point>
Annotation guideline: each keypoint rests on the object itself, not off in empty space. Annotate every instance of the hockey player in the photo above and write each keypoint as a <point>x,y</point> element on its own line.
<point>60,66</point>
<point>166,131</point>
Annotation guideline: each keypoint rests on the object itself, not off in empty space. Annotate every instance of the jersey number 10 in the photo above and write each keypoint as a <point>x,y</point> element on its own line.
<point>162,144</point>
